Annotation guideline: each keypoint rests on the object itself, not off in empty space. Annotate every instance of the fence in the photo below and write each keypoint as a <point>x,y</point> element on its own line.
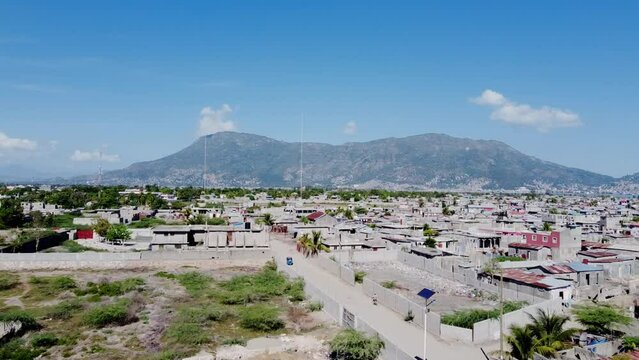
<point>91,259</point>
<point>336,269</point>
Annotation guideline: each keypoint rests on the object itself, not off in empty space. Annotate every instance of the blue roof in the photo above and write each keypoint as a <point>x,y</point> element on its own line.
<point>580,267</point>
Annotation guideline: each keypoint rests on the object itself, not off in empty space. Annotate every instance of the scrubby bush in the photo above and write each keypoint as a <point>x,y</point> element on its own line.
<point>43,287</point>
<point>8,281</point>
<point>187,334</point>
<point>113,314</point>
<point>466,318</point>
<point>65,309</point>
<point>113,288</point>
<point>295,291</point>
<point>389,284</point>
<point>353,345</point>
<point>315,306</point>
<point>234,341</point>
<point>202,315</point>
<point>44,340</point>
<point>261,318</point>
<point>17,350</point>
<point>194,281</point>
<point>28,320</point>
<point>359,276</point>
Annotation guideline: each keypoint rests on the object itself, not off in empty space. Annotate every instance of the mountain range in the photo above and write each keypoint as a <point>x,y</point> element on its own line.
<point>428,161</point>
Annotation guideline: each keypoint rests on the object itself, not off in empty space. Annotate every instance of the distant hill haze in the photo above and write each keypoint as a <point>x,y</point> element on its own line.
<point>429,161</point>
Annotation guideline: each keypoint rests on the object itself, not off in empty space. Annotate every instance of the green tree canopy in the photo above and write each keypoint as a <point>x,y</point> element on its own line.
<point>351,344</point>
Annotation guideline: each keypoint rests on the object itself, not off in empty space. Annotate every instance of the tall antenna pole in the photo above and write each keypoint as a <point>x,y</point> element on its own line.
<point>99,167</point>
<point>302,157</point>
<point>204,172</point>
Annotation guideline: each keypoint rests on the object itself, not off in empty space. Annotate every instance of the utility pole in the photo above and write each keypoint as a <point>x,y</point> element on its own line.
<point>206,216</point>
<point>302,157</point>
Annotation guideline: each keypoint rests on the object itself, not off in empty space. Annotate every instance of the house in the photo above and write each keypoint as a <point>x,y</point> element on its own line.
<point>536,285</point>
<point>529,252</point>
<point>563,244</point>
<point>203,237</point>
<point>321,218</point>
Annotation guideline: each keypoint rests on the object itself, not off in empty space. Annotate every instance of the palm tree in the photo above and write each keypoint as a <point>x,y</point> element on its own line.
<point>311,245</point>
<point>549,330</point>
<point>545,335</point>
<point>522,341</point>
<point>546,227</point>
<point>267,219</point>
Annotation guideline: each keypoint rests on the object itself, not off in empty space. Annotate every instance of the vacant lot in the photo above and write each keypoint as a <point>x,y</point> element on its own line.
<point>408,281</point>
<point>150,314</point>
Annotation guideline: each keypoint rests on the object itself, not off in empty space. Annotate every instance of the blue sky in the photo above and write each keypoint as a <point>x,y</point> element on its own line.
<point>139,80</point>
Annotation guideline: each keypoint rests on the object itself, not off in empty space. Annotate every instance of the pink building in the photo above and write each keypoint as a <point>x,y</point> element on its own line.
<point>551,239</point>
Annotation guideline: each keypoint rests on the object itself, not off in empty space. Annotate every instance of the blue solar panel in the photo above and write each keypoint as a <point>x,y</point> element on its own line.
<point>426,293</point>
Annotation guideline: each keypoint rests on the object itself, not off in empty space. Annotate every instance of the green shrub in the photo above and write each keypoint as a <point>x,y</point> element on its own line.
<point>389,284</point>
<point>202,315</point>
<point>194,282</point>
<point>73,246</point>
<point>187,334</point>
<point>8,281</point>
<point>28,321</point>
<point>359,276</point>
<point>315,306</point>
<point>113,288</point>
<point>44,287</point>
<point>234,341</point>
<point>295,291</point>
<point>353,345</point>
<point>112,314</point>
<point>44,340</point>
<point>466,318</point>
<point>65,309</point>
<point>17,350</point>
<point>164,274</point>
<point>261,318</point>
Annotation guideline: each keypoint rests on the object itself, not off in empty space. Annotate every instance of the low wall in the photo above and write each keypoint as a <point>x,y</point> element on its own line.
<point>107,260</point>
<point>488,330</point>
<point>364,256</point>
<point>457,333</point>
<point>335,269</point>
<point>394,301</point>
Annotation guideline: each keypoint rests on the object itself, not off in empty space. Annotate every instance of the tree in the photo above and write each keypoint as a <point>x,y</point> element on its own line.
<point>267,219</point>
<point>446,211</point>
<point>546,227</point>
<point>600,319</point>
<point>102,227</point>
<point>10,214</point>
<point>351,344</point>
<point>118,232</point>
<point>545,335</point>
<point>311,245</point>
<point>430,242</point>
<point>522,342</point>
<point>548,329</point>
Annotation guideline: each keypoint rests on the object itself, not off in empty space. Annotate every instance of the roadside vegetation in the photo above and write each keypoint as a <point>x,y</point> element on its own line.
<point>466,318</point>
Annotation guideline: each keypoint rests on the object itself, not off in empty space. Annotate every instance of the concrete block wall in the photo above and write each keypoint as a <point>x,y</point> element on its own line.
<point>394,301</point>
<point>457,333</point>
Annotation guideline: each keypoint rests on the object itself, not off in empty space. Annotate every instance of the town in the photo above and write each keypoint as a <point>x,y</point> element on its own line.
<point>468,275</point>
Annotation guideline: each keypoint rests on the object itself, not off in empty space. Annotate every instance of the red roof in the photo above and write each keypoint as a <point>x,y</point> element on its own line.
<point>594,245</point>
<point>607,261</point>
<point>558,269</point>
<point>316,215</point>
<point>597,254</point>
<point>525,246</point>
<point>525,277</point>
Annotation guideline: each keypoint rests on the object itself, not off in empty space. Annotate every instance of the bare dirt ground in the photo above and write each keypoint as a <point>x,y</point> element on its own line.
<point>303,338</point>
<point>451,295</point>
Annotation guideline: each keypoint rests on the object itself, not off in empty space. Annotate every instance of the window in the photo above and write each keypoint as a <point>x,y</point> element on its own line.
<point>545,239</point>
<point>534,238</point>
<point>554,239</point>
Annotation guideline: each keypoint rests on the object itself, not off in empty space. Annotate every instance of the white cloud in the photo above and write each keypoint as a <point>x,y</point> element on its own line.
<point>94,155</point>
<point>7,143</point>
<point>350,128</point>
<point>214,120</point>
<point>543,118</point>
